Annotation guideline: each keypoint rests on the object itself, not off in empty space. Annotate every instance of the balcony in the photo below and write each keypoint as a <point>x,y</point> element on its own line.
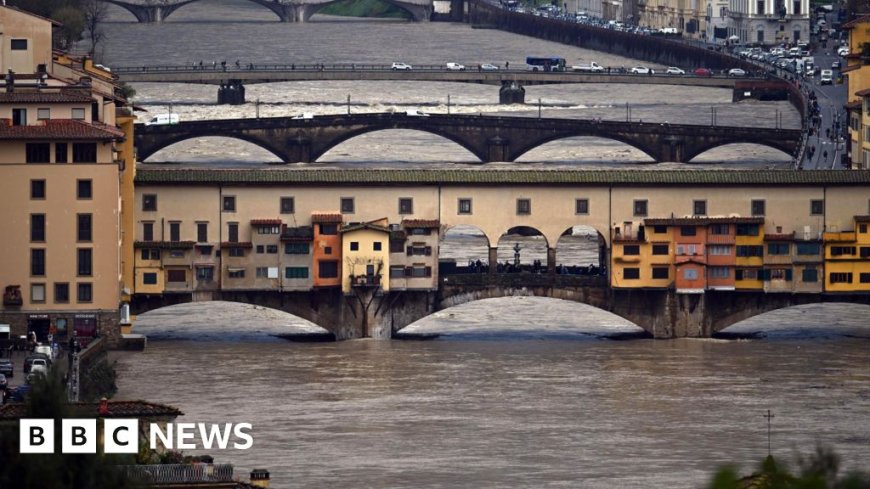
<point>365,281</point>
<point>12,296</point>
<point>840,237</point>
<point>726,239</point>
<point>627,258</point>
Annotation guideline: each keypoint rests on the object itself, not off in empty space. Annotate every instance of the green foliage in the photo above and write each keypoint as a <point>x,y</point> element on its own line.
<point>365,8</point>
<point>70,32</point>
<point>125,91</point>
<point>98,382</point>
<point>816,471</point>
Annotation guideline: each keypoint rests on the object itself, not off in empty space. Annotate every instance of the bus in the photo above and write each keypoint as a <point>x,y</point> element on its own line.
<point>545,64</point>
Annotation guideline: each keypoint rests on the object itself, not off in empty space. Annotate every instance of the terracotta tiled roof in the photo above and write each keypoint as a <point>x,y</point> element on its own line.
<point>701,221</point>
<point>227,244</point>
<point>856,105</point>
<point>779,237</point>
<point>328,217</point>
<point>61,129</point>
<point>42,97</point>
<point>500,176</point>
<point>164,245</point>
<point>863,93</point>
<point>266,222</point>
<point>852,23</point>
<point>117,409</point>
<point>421,223</point>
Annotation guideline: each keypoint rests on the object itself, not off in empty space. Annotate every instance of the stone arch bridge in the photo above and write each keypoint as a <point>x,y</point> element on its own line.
<point>489,138</point>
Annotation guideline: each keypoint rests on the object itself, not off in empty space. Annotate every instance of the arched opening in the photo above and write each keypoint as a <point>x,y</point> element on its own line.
<point>826,319</point>
<point>399,146</point>
<point>214,151</point>
<point>585,149</point>
<point>523,317</point>
<point>748,154</point>
<point>362,9</point>
<point>116,13</point>
<point>581,250</point>
<point>223,11</point>
<point>223,321</point>
<point>522,249</point>
<point>463,249</point>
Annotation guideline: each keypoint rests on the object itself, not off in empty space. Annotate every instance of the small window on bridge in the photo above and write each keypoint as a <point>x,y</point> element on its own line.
<point>524,207</point>
<point>406,205</point>
<point>149,202</point>
<point>465,206</point>
<point>865,278</point>
<point>640,207</point>
<point>581,206</point>
<point>810,275</point>
<point>329,229</point>
<point>719,229</point>
<point>630,250</point>
<point>288,205</point>
<point>658,229</point>
<point>149,278</point>
<point>817,207</point>
<point>699,207</point>
<point>688,231</point>
<point>328,269</point>
<point>840,278</point>
<point>229,203</point>
<point>347,206</point>
<point>354,246</point>
<point>757,208</point>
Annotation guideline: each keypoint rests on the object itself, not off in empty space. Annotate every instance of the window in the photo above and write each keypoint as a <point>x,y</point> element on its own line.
<point>260,249</point>
<point>329,229</point>
<point>397,246</point>
<point>660,249</point>
<point>719,250</point>
<point>778,249</point>
<point>205,274</point>
<point>581,206</point>
<point>865,252</point>
<point>464,206</point>
<point>85,292</point>
<point>420,231</point>
<point>327,250</point>
<point>842,250</point>
<point>262,272</point>
<point>757,208</point>
<point>421,271</point>
<point>18,45</point>
<point>631,273</point>
<point>719,229</point>
<point>328,269</point>
<point>175,231</point>
<point>288,205</point>
<point>147,231</point>
<point>84,189</point>
<point>236,273</point>
<point>840,278</point>
<point>719,272</point>
<point>810,275</point>
<point>524,207</point>
<point>630,250</point>
<point>862,228</point>
<point>37,262</point>
<point>808,248</point>
<point>85,262</point>
<point>296,248</point>
<point>419,249</point>
<point>346,205</point>
<point>272,249</point>
<point>747,230</point>
<point>229,203</point>
<point>864,278</point>
<point>237,252</point>
<point>269,229</point>
<point>84,152</point>
<point>37,189</point>
<point>61,293</point>
<point>376,246</point>
<point>43,114</point>
<point>658,229</point>
<point>688,231</point>
<point>38,152</point>
<point>746,274</point>
<point>406,205</point>
<point>37,227</point>
<point>176,276</point>
<point>37,292</point>
<point>817,207</point>
<point>690,274</point>
<point>19,117</point>
<point>78,113</point>
<point>640,207</point>
<point>85,227</point>
<point>699,207</point>
<point>149,278</point>
<point>202,232</point>
<point>60,153</point>
<point>233,232</point>
<point>397,271</point>
<point>149,202</point>
<point>296,272</point>
<point>176,253</point>
<point>661,272</point>
<point>150,254</point>
<point>750,250</point>
<point>354,246</point>
<point>797,11</point>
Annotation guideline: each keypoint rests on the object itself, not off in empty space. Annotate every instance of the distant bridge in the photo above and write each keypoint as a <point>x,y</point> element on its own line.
<point>489,138</point>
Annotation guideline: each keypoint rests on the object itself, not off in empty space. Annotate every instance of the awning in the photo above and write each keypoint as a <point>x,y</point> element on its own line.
<point>231,269</point>
<point>4,328</point>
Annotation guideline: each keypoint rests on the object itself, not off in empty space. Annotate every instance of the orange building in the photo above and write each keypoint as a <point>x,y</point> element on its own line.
<point>326,253</point>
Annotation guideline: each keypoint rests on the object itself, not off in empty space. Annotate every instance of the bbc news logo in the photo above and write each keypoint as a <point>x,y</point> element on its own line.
<point>80,435</point>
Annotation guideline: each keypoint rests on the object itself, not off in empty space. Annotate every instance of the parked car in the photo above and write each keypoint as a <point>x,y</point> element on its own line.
<point>28,362</point>
<point>843,51</point>
<point>19,394</point>
<point>673,70</point>
<point>488,67</point>
<point>736,72</point>
<point>703,72</point>
<point>401,66</point>
<point>835,65</point>
<point>39,366</point>
<point>6,367</point>
<point>642,70</point>
<point>4,384</point>
<point>44,349</point>
<point>455,67</point>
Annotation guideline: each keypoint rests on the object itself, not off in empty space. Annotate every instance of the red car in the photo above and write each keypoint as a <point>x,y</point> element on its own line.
<point>703,72</point>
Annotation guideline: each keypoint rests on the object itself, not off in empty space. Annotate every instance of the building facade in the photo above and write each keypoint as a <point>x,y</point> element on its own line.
<point>769,22</point>
<point>857,73</point>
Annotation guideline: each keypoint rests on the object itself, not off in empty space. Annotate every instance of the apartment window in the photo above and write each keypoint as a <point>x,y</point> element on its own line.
<point>296,248</point>
<point>84,152</point>
<point>661,272</point>
<point>269,229</point>
<point>631,273</point>
<point>61,293</point>
<point>397,246</point>
<point>85,292</point>
<point>421,271</point>
<point>842,250</point>
<point>817,207</point>
<point>37,189</point>
<point>150,254</point>
<point>690,274</point>
<point>406,205</point>
<point>797,11</point>
<point>37,292</point>
<point>778,249</point>
<point>38,152</point>
<point>37,262</point>
<point>640,207</point>
<point>688,231</point>
<point>581,206</point>
<point>329,229</point>
<point>85,262</point>
<point>746,274</point>
<point>37,227</point>
<point>719,272</point>
<point>628,250</point>
<point>260,249</point>
<point>60,153</point>
<point>296,272</point>
<point>464,206</point>
<point>524,207</point>
<point>420,231</point>
<point>202,232</point>
<point>149,278</point>
<point>288,205</point>
<point>865,252</point>
<point>346,205</point>
<point>810,275</point>
<point>750,250</point>
<point>43,114</point>
<point>757,207</point>
<point>840,278</point>
<point>237,252</point>
<point>78,113</point>
<point>660,249</point>
<point>149,202</point>
<point>205,274</point>
<point>864,278</point>
<point>719,250</point>
<point>699,207</point>
<point>397,271</point>
<point>327,250</point>
<point>354,246</point>
<point>862,228</point>
<point>18,44</point>
<point>229,203</point>
<point>808,248</point>
<point>747,230</point>
<point>328,269</point>
<point>176,253</point>
<point>419,249</point>
<point>147,231</point>
<point>176,276</point>
<point>85,227</point>
<point>236,273</point>
<point>719,229</point>
<point>84,189</point>
<point>272,249</point>
<point>233,232</point>
<point>262,272</point>
<point>19,117</point>
<point>377,246</point>
<point>174,231</point>
<point>658,229</point>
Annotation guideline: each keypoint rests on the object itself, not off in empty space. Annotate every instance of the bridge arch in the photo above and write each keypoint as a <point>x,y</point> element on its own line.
<point>700,148</point>
<point>578,145</point>
<point>411,14</point>
<point>144,152</point>
<point>467,144</point>
<point>628,140</point>
<point>814,312</point>
<point>522,248</point>
<point>577,248</point>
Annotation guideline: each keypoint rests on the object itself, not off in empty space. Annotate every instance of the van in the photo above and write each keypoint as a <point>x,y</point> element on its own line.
<point>827,77</point>
<point>162,119</point>
<point>44,349</point>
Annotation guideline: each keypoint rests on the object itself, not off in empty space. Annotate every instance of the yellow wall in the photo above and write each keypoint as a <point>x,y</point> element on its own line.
<point>126,154</point>
<point>355,262</point>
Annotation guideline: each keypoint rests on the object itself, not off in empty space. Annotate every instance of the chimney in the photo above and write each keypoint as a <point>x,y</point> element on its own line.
<point>260,478</point>
<point>104,407</point>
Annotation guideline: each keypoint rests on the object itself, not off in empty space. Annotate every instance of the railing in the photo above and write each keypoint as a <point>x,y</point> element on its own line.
<point>523,280</point>
<point>178,473</point>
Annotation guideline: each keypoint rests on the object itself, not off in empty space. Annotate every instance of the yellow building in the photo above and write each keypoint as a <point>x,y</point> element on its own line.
<point>857,72</point>
<point>847,258</point>
<point>645,260</point>
<point>749,247</point>
<point>366,255</point>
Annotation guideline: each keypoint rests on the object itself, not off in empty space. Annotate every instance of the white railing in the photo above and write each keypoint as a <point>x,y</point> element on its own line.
<point>178,473</point>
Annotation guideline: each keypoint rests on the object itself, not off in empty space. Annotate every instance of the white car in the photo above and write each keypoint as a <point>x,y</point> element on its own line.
<point>488,67</point>
<point>673,70</point>
<point>416,113</point>
<point>736,72</point>
<point>401,66</point>
<point>304,115</point>
<point>826,78</point>
<point>843,51</point>
<point>642,70</point>
<point>455,67</point>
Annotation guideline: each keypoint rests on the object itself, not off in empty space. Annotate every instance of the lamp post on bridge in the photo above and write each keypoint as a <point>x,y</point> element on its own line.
<point>769,416</point>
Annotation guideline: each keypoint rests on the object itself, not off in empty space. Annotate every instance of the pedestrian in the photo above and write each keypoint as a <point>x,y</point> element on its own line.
<point>507,65</point>
<point>825,155</point>
<point>238,66</point>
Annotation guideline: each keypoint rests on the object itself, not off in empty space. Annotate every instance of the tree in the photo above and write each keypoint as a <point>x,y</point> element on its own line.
<point>95,12</point>
<point>816,471</point>
<point>70,32</point>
